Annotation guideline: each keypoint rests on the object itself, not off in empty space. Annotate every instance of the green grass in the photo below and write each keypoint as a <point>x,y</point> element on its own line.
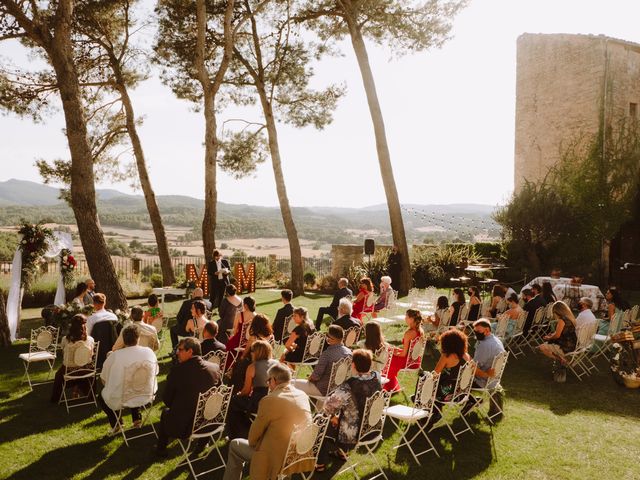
<point>584,430</point>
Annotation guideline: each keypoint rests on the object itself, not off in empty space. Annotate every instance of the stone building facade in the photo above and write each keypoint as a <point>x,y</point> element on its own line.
<point>566,87</point>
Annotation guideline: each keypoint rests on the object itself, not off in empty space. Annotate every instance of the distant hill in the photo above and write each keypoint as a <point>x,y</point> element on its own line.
<point>23,199</point>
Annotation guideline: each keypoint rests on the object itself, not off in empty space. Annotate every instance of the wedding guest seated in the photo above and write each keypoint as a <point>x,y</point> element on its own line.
<point>513,313</point>
<point>209,341</point>
<point>294,348</point>
<point>278,413</point>
<point>229,309</point>
<point>383,298</point>
<point>332,310</point>
<point>245,316</point>
<point>81,292</point>
<point>413,319</point>
<point>537,292</point>
<point>346,407</point>
<point>154,312</point>
<point>374,341</point>
<point>318,382</point>
<point>442,305</point>
<point>113,376</point>
<point>253,389</point>
<point>547,293</point>
<point>615,305</point>
<point>186,380</point>
<point>533,303</point>
<point>282,314</point>
<point>195,325</point>
<point>148,333</point>
<point>365,290</point>
<point>498,302</point>
<point>475,304</point>
<point>100,314</point>
<point>345,320</point>
<point>260,329</point>
<point>488,346</point>
<point>453,355</point>
<point>564,339</point>
<point>586,316</point>
<point>184,315</point>
<point>456,306</point>
<point>76,338</point>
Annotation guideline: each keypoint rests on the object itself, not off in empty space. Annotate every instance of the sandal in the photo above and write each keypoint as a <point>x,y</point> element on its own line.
<point>340,454</point>
<point>321,467</point>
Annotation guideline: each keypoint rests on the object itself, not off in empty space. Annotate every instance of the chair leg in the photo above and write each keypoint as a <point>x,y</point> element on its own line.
<point>26,374</point>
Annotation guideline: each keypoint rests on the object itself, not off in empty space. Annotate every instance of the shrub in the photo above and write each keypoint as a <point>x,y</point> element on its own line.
<point>328,284</point>
<point>433,265</point>
<point>309,278</point>
<point>156,280</point>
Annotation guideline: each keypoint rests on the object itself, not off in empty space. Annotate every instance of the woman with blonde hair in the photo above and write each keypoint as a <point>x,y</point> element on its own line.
<point>564,339</point>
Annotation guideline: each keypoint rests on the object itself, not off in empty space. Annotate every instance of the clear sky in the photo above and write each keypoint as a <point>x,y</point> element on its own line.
<point>449,116</point>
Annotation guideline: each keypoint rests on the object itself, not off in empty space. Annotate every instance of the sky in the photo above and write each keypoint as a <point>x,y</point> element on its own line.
<point>449,115</point>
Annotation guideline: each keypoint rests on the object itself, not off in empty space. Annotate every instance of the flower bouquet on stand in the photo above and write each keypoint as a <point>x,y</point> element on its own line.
<point>68,266</point>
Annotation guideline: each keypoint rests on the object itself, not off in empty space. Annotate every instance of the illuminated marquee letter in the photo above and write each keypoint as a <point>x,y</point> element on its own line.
<point>245,279</point>
<point>201,280</point>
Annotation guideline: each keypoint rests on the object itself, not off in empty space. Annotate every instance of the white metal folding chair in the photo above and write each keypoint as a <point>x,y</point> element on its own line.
<point>85,359</point>
<point>515,340</point>
<point>312,351</point>
<point>43,347</point>
<point>139,391</point>
<point>445,319</point>
<point>304,447</point>
<point>218,357</point>
<point>382,358</point>
<point>351,336</point>
<point>288,328</point>
<point>578,361</point>
<point>367,310</point>
<point>538,328</point>
<point>418,414</point>
<point>633,314</point>
<point>603,342</point>
<point>414,355</point>
<point>208,423</point>
<point>460,397</point>
<point>340,371</point>
<point>493,387</point>
<point>370,434</point>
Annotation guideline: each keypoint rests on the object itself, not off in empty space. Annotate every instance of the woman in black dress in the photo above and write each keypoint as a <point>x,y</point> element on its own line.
<point>298,340</point>
<point>474,304</point>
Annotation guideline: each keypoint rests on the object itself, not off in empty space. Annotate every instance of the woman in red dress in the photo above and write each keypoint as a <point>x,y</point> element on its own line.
<point>364,291</point>
<point>413,319</point>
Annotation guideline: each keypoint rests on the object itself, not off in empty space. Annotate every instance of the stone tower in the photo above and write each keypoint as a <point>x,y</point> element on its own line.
<point>566,86</point>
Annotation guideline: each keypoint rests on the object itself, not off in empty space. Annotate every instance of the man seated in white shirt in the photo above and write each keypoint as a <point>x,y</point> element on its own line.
<point>99,312</point>
<point>586,316</point>
<point>113,377</point>
<point>148,333</point>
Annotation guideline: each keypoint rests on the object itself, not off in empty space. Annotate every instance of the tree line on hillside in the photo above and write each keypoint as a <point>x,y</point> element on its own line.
<point>213,54</point>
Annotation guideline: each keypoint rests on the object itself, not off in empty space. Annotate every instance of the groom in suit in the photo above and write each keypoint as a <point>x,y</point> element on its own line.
<point>218,270</point>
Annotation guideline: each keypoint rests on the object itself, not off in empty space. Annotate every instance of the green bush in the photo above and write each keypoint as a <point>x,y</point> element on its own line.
<point>328,284</point>
<point>434,265</point>
<point>309,278</point>
<point>156,280</point>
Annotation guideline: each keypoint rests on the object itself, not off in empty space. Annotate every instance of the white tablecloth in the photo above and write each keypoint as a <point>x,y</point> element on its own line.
<point>171,291</point>
<point>573,293</point>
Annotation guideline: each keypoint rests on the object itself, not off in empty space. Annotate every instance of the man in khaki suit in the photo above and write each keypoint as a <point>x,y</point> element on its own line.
<point>278,412</point>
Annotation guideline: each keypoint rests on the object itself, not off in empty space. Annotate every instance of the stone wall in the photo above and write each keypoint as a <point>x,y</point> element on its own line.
<point>560,91</point>
<point>343,256</point>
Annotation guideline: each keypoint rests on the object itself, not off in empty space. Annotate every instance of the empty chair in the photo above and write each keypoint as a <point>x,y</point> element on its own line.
<point>42,348</point>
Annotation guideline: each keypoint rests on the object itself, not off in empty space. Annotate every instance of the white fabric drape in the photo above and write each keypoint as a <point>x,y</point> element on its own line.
<point>60,241</point>
<point>13,301</point>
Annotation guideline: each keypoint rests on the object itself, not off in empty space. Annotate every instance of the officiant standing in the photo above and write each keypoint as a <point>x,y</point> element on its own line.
<point>218,270</point>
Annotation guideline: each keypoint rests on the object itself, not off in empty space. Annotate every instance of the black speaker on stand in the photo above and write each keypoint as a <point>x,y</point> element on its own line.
<point>369,248</point>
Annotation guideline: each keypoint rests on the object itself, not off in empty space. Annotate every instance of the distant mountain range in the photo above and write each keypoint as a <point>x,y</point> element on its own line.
<point>33,201</point>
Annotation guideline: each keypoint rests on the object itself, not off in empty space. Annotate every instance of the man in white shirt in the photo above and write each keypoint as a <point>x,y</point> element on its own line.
<point>148,333</point>
<point>113,377</point>
<point>586,316</point>
<point>99,313</point>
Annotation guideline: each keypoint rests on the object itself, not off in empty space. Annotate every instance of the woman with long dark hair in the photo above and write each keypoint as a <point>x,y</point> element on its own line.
<point>400,359</point>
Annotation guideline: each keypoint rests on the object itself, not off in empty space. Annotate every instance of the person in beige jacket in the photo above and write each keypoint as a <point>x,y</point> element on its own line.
<point>278,413</point>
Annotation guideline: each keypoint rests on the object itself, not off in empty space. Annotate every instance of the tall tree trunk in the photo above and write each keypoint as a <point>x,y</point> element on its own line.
<point>5,334</point>
<point>168,277</point>
<point>83,194</point>
<point>297,284</point>
<point>384,157</point>
<point>210,173</point>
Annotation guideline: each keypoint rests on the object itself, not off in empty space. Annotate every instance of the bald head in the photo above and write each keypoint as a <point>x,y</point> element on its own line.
<point>197,293</point>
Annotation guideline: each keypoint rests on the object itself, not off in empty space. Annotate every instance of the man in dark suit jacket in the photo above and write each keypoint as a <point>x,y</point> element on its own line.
<point>282,314</point>
<point>218,271</point>
<point>345,320</point>
<point>184,314</point>
<point>534,302</point>
<point>332,310</point>
<point>190,377</point>
<point>209,341</point>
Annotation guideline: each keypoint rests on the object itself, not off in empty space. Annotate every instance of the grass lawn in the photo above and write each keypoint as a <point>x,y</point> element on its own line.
<point>585,430</point>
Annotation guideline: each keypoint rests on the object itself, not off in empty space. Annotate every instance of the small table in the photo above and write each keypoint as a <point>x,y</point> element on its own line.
<point>171,291</point>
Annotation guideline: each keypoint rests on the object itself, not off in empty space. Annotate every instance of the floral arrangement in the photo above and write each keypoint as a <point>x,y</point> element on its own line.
<point>33,246</point>
<point>68,266</point>
<point>60,315</point>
